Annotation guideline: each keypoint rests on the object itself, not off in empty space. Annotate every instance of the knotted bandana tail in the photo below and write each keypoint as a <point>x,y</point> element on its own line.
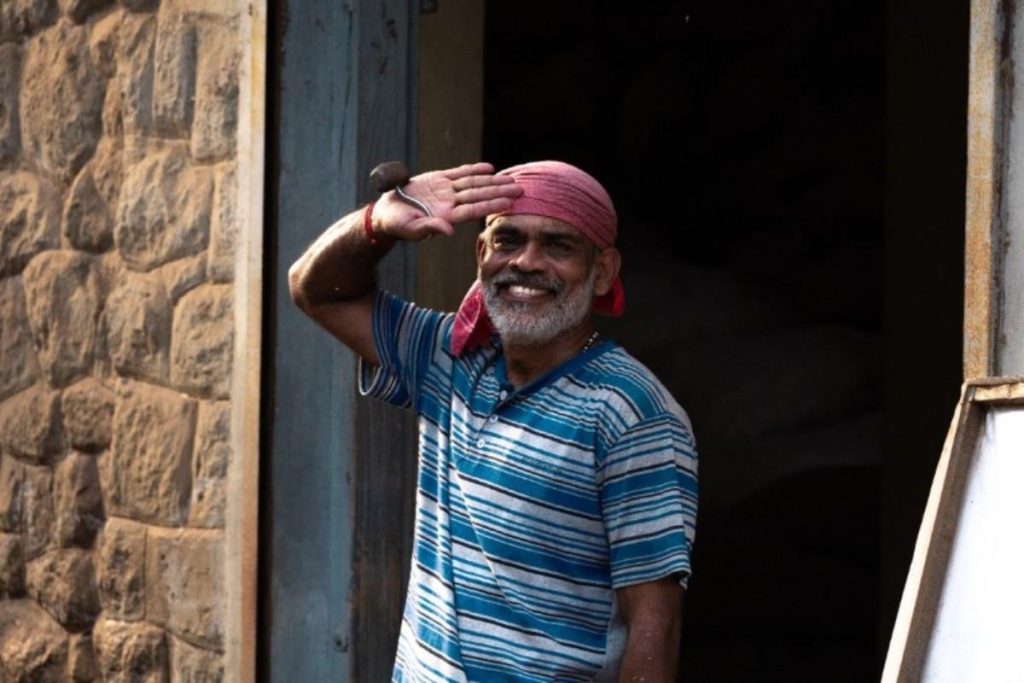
<point>473,327</point>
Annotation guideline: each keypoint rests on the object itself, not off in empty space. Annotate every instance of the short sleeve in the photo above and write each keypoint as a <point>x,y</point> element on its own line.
<point>648,485</point>
<point>406,337</point>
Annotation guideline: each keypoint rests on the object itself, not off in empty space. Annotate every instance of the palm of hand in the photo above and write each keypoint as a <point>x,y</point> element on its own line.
<point>454,196</point>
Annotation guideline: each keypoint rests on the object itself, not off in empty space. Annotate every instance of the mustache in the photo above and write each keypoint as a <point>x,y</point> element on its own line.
<point>526,280</point>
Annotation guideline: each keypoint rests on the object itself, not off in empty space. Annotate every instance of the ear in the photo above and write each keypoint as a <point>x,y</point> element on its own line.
<point>481,246</point>
<point>608,263</point>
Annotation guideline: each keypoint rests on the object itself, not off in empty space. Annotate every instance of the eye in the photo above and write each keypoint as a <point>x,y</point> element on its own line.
<point>505,242</point>
<point>559,247</point>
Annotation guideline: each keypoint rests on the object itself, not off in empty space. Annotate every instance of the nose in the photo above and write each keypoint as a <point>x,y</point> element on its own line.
<point>530,258</point>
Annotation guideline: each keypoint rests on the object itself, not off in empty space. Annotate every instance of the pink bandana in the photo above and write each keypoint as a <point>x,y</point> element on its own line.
<point>556,190</point>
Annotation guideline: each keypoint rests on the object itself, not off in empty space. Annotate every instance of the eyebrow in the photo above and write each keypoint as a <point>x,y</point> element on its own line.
<point>510,229</point>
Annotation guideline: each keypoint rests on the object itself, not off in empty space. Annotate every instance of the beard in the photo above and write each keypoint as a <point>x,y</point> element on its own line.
<point>531,324</point>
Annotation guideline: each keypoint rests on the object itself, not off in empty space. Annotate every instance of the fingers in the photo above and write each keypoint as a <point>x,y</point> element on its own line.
<point>468,182</point>
<point>482,194</point>
<point>480,168</point>
<point>471,212</point>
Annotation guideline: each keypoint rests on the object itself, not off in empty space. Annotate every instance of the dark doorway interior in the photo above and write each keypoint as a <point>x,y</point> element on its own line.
<point>744,144</point>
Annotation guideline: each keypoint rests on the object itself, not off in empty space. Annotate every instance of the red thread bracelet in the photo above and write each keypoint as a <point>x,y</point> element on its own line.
<point>368,223</point>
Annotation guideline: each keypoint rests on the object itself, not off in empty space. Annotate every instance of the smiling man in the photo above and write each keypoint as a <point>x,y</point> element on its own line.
<point>557,491</point>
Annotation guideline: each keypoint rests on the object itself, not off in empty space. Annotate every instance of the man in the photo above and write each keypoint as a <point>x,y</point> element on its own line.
<point>556,498</point>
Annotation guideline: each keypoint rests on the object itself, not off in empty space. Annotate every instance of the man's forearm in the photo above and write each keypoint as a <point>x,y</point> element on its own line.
<point>653,615</point>
<point>340,265</point>
<point>651,655</point>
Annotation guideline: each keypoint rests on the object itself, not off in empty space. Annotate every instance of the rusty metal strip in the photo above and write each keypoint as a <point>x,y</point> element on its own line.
<point>984,176</point>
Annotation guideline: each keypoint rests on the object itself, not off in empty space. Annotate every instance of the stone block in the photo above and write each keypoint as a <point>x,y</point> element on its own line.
<point>106,167</point>
<point>87,223</point>
<point>60,101</point>
<point>135,72</point>
<point>224,226</point>
<point>21,18</point>
<point>12,503</point>
<point>37,510</point>
<point>140,5</point>
<point>130,652</point>
<point>164,210</point>
<point>87,408</point>
<point>80,10</point>
<point>82,665</point>
<point>215,122</point>
<point>79,500</point>
<point>30,424</point>
<point>202,342</point>
<point>174,75</point>
<point>210,464</point>
<point>103,35</point>
<point>183,275</point>
<point>64,299</point>
<point>19,367</point>
<point>138,321</point>
<point>151,454</point>
<point>218,8</point>
<point>194,665</point>
<point>33,648</point>
<point>120,569</point>
<point>10,137</point>
<point>185,584</point>
<point>12,566</point>
<point>112,116</point>
<point>64,584</point>
<point>29,219</point>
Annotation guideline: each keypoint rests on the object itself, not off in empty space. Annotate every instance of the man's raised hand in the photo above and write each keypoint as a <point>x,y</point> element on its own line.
<point>454,196</point>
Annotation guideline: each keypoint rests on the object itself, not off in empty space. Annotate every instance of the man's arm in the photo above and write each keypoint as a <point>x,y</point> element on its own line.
<point>334,281</point>
<point>653,615</point>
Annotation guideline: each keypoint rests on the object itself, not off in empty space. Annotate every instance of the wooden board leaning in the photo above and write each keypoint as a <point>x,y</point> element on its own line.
<point>955,585</point>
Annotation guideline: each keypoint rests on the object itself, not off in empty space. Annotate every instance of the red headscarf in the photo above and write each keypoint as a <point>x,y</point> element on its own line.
<point>556,190</point>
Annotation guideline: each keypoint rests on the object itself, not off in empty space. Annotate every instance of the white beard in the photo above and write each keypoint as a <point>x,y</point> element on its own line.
<point>522,324</point>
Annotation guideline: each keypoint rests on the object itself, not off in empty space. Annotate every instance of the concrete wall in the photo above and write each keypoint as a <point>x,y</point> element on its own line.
<point>120,206</point>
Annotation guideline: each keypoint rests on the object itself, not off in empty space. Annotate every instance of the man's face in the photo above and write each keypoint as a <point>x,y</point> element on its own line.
<point>538,276</point>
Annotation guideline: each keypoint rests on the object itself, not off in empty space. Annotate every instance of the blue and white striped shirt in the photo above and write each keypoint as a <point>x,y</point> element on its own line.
<point>533,504</point>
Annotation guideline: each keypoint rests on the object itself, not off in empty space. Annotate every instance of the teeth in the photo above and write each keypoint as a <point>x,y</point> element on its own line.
<point>523,290</point>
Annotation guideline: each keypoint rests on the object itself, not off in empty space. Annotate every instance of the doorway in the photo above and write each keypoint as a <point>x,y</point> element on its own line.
<point>745,146</point>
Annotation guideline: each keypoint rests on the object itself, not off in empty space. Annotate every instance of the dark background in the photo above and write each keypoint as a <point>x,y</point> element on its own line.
<point>789,178</point>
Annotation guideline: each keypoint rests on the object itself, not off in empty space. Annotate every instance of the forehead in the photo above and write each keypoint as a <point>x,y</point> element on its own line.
<point>531,223</point>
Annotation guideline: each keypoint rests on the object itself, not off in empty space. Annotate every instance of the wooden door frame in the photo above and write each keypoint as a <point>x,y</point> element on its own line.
<point>342,86</point>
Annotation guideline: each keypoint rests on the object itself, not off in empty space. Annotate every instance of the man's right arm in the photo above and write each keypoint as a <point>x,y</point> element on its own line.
<point>334,283</point>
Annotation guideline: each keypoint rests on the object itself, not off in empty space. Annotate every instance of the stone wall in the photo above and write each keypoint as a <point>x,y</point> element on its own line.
<point>118,193</point>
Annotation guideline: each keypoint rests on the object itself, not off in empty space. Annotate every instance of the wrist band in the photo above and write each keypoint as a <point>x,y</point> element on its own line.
<point>368,223</point>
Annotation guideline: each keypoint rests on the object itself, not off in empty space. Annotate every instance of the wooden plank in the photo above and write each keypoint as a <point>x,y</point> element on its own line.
<point>307,490</point>
<point>242,523</point>
<point>924,581</point>
<point>984,180</point>
<point>342,470</point>
<point>385,462</point>
<point>451,123</point>
<point>1001,393</point>
<point>911,636</point>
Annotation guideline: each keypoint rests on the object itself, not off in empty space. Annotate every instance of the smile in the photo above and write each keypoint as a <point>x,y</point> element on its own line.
<point>527,292</point>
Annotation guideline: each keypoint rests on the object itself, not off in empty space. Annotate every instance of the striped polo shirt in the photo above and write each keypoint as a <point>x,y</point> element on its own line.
<point>533,505</point>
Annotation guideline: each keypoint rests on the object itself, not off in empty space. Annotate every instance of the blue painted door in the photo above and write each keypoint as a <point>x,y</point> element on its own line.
<point>332,562</point>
